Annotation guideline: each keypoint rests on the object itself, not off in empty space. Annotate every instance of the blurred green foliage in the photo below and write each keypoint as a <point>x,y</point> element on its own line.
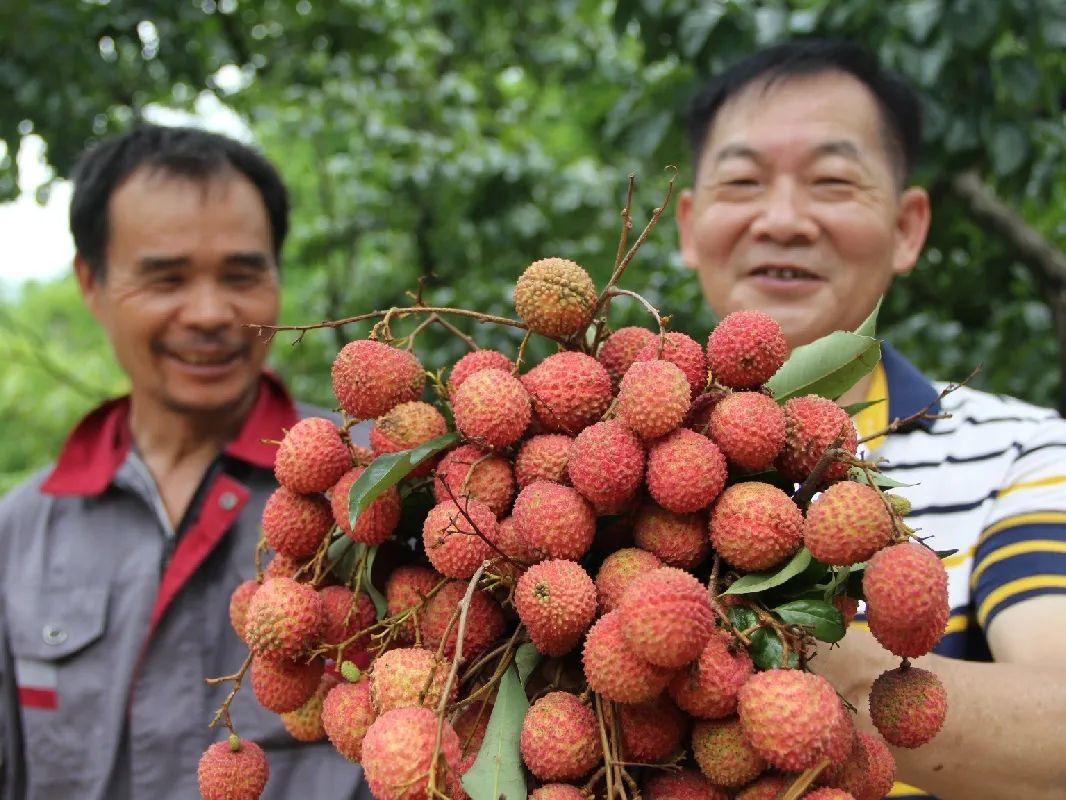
<point>455,141</point>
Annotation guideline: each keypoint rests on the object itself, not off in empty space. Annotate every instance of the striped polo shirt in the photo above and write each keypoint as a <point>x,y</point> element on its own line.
<point>988,482</point>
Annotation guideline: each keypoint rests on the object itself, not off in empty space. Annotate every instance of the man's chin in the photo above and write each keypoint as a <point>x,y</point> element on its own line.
<point>211,404</point>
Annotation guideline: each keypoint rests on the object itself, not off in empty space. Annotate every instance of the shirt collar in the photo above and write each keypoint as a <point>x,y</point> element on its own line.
<point>909,391</point>
<point>99,444</point>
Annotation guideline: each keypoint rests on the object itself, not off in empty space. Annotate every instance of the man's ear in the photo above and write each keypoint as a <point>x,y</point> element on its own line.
<point>89,283</point>
<point>912,227</point>
<point>685,202</point>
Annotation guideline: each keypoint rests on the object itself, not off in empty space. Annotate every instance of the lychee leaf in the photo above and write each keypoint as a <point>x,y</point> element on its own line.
<point>767,651</point>
<point>761,581</point>
<point>827,367</point>
<point>869,325</point>
<point>743,618</point>
<point>822,619</point>
<point>883,481</point>
<point>855,408</point>
<point>380,604</point>
<point>497,771</point>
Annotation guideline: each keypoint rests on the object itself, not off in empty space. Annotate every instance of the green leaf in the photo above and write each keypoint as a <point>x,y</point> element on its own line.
<point>380,604</point>
<point>1008,147</point>
<point>855,408</point>
<point>388,470</point>
<point>697,26</point>
<point>526,659</point>
<point>767,651</point>
<point>920,18</point>
<point>827,367</point>
<point>497,772</point>
<point>885,482</point>
<point>869,325</point>
<point>761,581</point>
<point>743,617</point>
<point>821,618</point>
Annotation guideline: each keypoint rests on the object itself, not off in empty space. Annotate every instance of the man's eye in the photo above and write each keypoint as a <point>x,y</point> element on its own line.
<point>741,182</point>
<point>832,180</point>
<point>167,281</point>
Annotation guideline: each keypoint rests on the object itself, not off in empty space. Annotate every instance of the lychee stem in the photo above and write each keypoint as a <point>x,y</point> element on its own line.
<point>805,779</point>
<point>222,714</point>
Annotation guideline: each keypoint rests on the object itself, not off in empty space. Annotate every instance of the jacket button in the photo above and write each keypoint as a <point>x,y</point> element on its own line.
<point>228,501</point>
<point>53,634</point>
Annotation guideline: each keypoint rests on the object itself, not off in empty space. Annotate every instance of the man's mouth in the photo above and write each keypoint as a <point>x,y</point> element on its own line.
<point>212,358</point>
<point>783,273</point>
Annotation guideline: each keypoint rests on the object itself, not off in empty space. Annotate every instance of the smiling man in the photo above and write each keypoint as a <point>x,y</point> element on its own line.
<point>117,563</point>
<point>802,208</point>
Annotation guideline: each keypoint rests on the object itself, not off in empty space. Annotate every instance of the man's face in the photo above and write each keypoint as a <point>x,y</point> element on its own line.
<point>796,210</point>
<point>188,265</point>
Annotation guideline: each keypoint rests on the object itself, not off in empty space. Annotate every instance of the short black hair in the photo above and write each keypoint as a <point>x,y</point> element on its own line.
<point>180,151</point>
<point>898,102</point>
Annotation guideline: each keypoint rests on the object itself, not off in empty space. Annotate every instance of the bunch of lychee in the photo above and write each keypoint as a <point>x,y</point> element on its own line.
<point>607,497</point>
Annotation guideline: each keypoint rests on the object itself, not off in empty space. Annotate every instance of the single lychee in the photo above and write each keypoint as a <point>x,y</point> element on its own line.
<point>684,352</point>
<point>724,754</point>
<point>555,297</point>
<point>285,619</point>
<point>908,706</point>
<point>469,471</point>
<point>606,465</point>
<point>475,361</point>
<point>828,793</point>
<point>755,526</point>
<point>556,601</point>
<point>749,427</point>
<point>238,605</point>
<point>652,732</point>
<point>569,391</point>
<point>666,616</point>
<point>283,566</point>
<point>869,772</point>
<point>295,524</point>
<point>614,670</point>
<point>405,427</point>
<point>906,589</point>
<point>557,791</point>
<point>305,723</point>
<point>746,349</point>
<point>847,606</point>
<point>346,614</point>
<point>408,676</point>
<point>679,540</point>
<point>485,622</point>
<point>812,425</point>
<point>686,471</point>
<point>407,588</point>
<point>686,784</point>
<point>847,524</point>
<point>619,350</point>
<point>554,521</point>
<point>370,378</point>
<point>708,687</point>
<point>511,544</point>
<point>456,536</point>
<point>347,713</point>
<point>228,773</point>
<point>398,752</point>
<point>311,456</point>
<point>376,522</point>
<point>617,571</point>
<point>492,408</point>
<point>560,738</point>
<point>543,458</point>
<point>653,398</point>
<point>768,787</point>
<point>281,685</point>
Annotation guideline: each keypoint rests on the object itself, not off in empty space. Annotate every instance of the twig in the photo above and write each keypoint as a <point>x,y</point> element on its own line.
<point>811,485</point>
<point>222,714</point>
<point>462,507</point>
<point>521,353</point>
<point>608,766</point>
<point>804,780</point>
<point>922,414</point>
<point>455,331</point>
<point>615,292</point>
<point>627,221</point>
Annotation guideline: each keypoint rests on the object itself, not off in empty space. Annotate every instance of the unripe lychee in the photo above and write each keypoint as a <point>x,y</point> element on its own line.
<point>281,685</point>
<point>652,732</point>
<point>405,427</point>
<point>724,754</point>
<point>347,713</point>
<point>238,606</point>
<point>555,297</point>
<point>679,540</point>
<point>484,621</point>
<point>556,601</point>
<point>749,427</point>
<point>899,505</point>
<point>469,471</point>
<point>619,350</point>
<point>295,524</point>
<point>569,392</point>
<point>543,458</point>
<point>557,791</point>
<point>398,678</point>
<point>345,615</point>
<point>617,571</point>
<point>686,471</point>
<point>370,378</point>
<point>653,398</point>
<point>746,349</point>
<point>908,706</point>
<point>614,670</point>
<point>847,524</point>
<point>406,588</point>
<point>812,424</point>
<point>906,589</point>
<point>554,521</point>
<point>666,617</point>
<point>560,738</point>
<point>686,784</point>
<point>228,774</point>
<point>606,465</point>
<point>492,408</point>
<point>398,751</point>
<point>456,536</point>
<point>475,361</point>
<point>685,353</point>
<point>311,456</point>
<point>768,787</point>
<point>285,619</point>
<point>755,526</point>
<point>708,687</point>
<point>376,522</point>
<point>305,723</point>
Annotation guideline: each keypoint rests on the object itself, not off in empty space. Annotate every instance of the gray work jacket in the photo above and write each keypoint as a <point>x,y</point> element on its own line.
<point>110,621</point>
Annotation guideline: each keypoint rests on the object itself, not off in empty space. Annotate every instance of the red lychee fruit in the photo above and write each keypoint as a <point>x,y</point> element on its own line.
<point>652,732</point>
<point>569,391</point>
<point>238,606</point>
<point>281,685</point>
<point>812,424</point>
<point>370,378</point>
<point>614,670</point>
<point>512,545</point>
<point>554,521</point>
<point>295,524</point>
<point>556,601</point>
<point>847,524</point>
<point>398,751</point>
<point>225,773</point>
<point>708,687</point>
<point>724,754</point>
<point>826,793</point>
<point>768,787</point>
<point>908,706</point>
<point>376,522</point>
<point>305,723</point>
<point>406,588</point>
<point>619,350</point>
<point>749,427</point>
<point>667,617</point>
<point>653,398</point>
<point>847,606</point>
<point>283,566</point>
<point>311,456</point>
<point>906,589</point>
<point>285,619</point>
<point>399,677</point>
<point>686,784</point>
<point>468,471</point>
<point>617,571</point>
<point>555,297</point>
<point>543,458</point>
<point>755,526</point>
<point>606,465</point>
<point>492,408</point>
<point>685,353</point>
<point>457,535</point>
<point>679,540</point>
<point>345,615</point>
<point>557,791</point>
<point>870,770</point>
<point>347,713</point>
<point>485,622</point>
<point>686,471</point>
<point>405,427</point>
<point>475,361</point>
<point>560,738</point>
<point>746,349</point>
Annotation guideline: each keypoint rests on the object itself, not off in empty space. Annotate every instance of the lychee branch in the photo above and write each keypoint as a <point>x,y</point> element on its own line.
<point>616,292</point>
<point>804,780</point>
<point>923,414</point>
<point>222,714</point>
<point>807,489</point>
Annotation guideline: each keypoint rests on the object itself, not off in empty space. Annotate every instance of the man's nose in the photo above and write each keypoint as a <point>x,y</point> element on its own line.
<point>208,306</point>
<point>784,217</point>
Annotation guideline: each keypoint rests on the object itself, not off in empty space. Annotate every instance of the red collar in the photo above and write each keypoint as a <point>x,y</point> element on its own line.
<point>99,444</point>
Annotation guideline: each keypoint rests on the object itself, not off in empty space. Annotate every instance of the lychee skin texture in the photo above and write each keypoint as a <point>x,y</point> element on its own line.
<point>652,732</point>
<point>557,791</point>
<point>826,793</point>
<point>653,398</point>
<point>569,392</point>
<point>708,688</point>
<point>370,378</point>
<point>311,456</point>
<point>869,771</point>
<point>560,738</point>
<point>398,751</point>
<point>617,571</point>
<point>554,521</point>
<point>787,716</point>
<point>746,349</point>
<point>768,787</point>
<point>452,544</point>
<point>679,540</point>
<point>340,604</point>
<point>285,619</point>
<point>283,566</point>
<point>908,706</point>
<point>469,471</point>
<point>749,427</point>
<point>485,622</point>
<point>227,775</point>
<point>347,713</point>
<point>606,465</point>
<point>619,350</point>
<point>295,524</point>
<point>755,526</point>
<point>476,361</point>
<point>406,588</point>
<point>684,785</point>
<point>305,723</point>
<point>376,522</point>
<point>555,297</point>
<point>724,754</point>
<point>614,670</point>
<point>492,407</point>
<point>847,524</point>
<point>398,677</point>
<point>407,426</point>
<point>281,685</point>
<point>684,352</point>
<point>556,601</point>
<point>543,458</point>
<point>686,471</point>
<point>666,617</point>
<point>906,589</point>
<point>812,424</point>
<point>238,606</point>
